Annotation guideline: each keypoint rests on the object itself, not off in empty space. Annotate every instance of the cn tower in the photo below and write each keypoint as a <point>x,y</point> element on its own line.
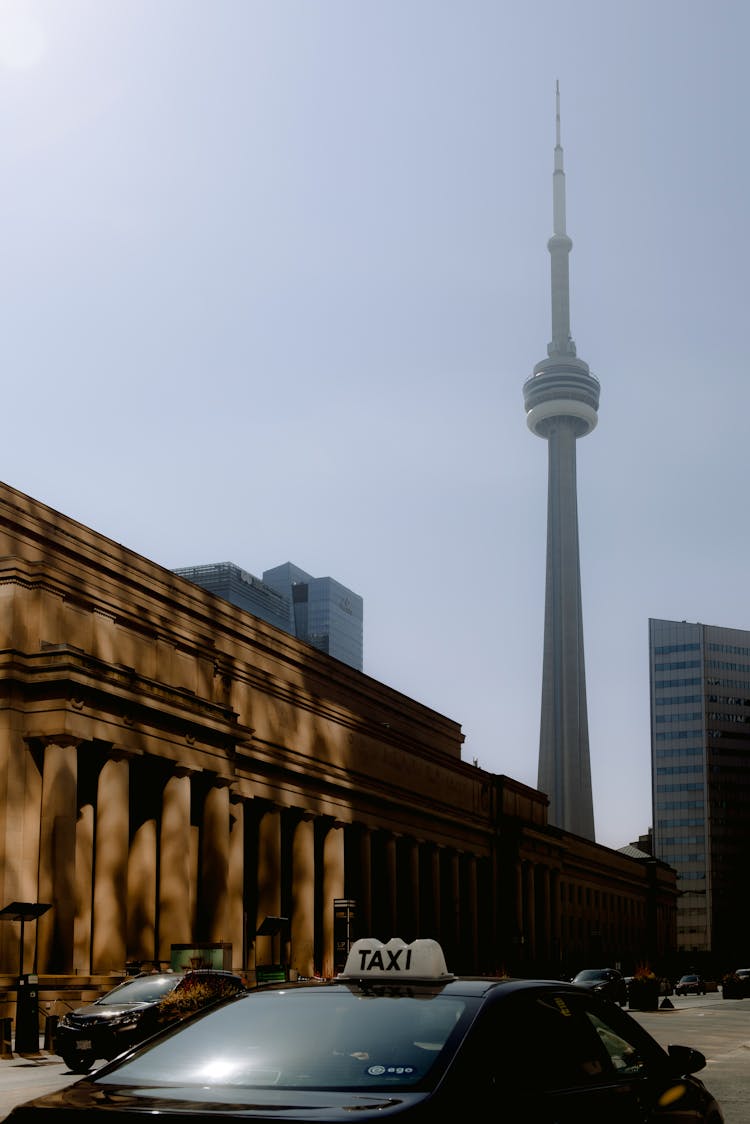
<point>561,400</point>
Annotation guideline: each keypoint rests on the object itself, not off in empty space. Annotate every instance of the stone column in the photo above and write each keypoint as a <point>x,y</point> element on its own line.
<point>174,866</point>
<point>391,885</point>
<point>454,905</point>
<point>333,887</point>
<point>435,884</point>
<point>520,934</point>
<point>84,883</point>
<point>531,946</point>
<point>471,923</point>
<point>194,858</point>
<point>57,856</point>
<point>303,896</point>
<point>547,919</point>
<point>236,884</point>
<point>214,862</point>
<point>269,882</point>
<point>556,917</point>
<point>411,872</point>
<point>364,893</point>
<point>142,866</point>
<point>111,866</point>
<point>20,826</point>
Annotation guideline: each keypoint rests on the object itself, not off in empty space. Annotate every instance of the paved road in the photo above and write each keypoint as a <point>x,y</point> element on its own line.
<point>720,1029</point>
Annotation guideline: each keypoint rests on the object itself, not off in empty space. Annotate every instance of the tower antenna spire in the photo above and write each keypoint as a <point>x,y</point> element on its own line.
<point>558,176</point>
<point>559,247</point>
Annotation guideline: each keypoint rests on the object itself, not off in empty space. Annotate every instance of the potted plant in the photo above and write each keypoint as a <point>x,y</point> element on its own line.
<point>643,993</point>
<point>731,986</point>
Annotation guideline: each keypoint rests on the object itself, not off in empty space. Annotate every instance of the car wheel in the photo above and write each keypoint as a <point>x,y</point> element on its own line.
<point>79,1062</point>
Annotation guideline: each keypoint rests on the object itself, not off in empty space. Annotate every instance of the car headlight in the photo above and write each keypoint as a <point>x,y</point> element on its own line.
<point>123,1022</point>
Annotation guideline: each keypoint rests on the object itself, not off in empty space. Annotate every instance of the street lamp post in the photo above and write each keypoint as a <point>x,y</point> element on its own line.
<point>27,1001</point>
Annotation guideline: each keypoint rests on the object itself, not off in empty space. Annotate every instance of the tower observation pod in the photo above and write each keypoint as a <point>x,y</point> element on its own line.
<point>561,399</point>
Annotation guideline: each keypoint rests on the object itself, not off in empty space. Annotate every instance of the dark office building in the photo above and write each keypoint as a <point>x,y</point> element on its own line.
<point>319,611</point>
<point>700,750</point>
<point>243,590</point>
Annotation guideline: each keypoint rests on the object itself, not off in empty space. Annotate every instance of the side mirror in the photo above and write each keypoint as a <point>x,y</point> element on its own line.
<point>684,1059</point>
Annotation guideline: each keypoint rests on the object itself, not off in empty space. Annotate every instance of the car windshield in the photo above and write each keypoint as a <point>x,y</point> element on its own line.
<point>689,979</point>
<point>333,1038</point>
<point>592,974</point>
<point>144,989</point>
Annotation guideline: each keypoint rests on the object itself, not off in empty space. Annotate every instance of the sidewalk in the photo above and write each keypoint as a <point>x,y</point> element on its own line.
<point>26,1076</point>
<point>43,1057</point>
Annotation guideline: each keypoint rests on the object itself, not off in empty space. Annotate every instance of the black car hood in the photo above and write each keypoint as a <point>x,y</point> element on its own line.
<point>109,1010</point>
<point>219,1100</point>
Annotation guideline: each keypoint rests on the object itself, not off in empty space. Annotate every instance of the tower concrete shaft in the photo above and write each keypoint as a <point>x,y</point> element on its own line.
<point>561,400</point>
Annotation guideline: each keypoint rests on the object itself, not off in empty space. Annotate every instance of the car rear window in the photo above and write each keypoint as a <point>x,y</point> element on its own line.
<point>307,1038</point>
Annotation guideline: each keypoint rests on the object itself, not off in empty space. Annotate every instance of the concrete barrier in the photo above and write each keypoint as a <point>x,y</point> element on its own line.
<point>6,1038</point>
<point>50,1031</point>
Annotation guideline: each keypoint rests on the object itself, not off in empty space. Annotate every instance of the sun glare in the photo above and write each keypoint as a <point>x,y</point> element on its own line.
<point>22,38</point>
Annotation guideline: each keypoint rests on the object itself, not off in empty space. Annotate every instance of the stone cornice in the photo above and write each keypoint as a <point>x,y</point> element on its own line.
<point>249,653</point>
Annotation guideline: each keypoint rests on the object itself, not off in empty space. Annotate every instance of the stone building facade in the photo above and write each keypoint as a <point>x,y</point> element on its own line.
<point>174,771</point>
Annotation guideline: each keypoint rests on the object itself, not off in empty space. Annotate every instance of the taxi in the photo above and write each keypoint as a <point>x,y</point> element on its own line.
<point>397,1035</point>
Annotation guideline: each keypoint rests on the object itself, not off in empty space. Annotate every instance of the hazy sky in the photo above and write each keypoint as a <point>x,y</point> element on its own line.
<point>273,273</point>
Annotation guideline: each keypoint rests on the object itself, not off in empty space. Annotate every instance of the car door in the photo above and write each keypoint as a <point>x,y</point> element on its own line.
<point>557,1058</point>
<point>663,1096</point>
<point>578,1083</point>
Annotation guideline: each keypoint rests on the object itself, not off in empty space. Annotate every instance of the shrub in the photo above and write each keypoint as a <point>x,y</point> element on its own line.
<point>194,992</point>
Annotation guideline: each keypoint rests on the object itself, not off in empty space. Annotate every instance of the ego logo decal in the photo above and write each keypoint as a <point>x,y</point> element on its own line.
<point>391,1070</point>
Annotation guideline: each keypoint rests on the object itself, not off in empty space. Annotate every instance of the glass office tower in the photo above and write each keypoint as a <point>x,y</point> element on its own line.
<point>326,613</point>
<point>243,590</point>
<point>320,611</point>
<point>700,753</point>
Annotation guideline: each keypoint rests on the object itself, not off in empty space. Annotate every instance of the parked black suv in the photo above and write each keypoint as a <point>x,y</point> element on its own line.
<point>604,981</point>
<point>737,984</point>
<point>135,1010</point>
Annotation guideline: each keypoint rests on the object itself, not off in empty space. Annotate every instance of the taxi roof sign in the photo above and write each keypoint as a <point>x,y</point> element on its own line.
<point>395,961</point>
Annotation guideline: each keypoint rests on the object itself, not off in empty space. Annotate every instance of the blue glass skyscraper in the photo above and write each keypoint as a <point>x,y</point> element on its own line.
<point>700,754</point>
<point>320,611</point>
<point>326,613</point>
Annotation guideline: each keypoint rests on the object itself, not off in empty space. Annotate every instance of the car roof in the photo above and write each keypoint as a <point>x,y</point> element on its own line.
<point>182,973</point>
<point>397,968</point>
<point>480,987</point>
